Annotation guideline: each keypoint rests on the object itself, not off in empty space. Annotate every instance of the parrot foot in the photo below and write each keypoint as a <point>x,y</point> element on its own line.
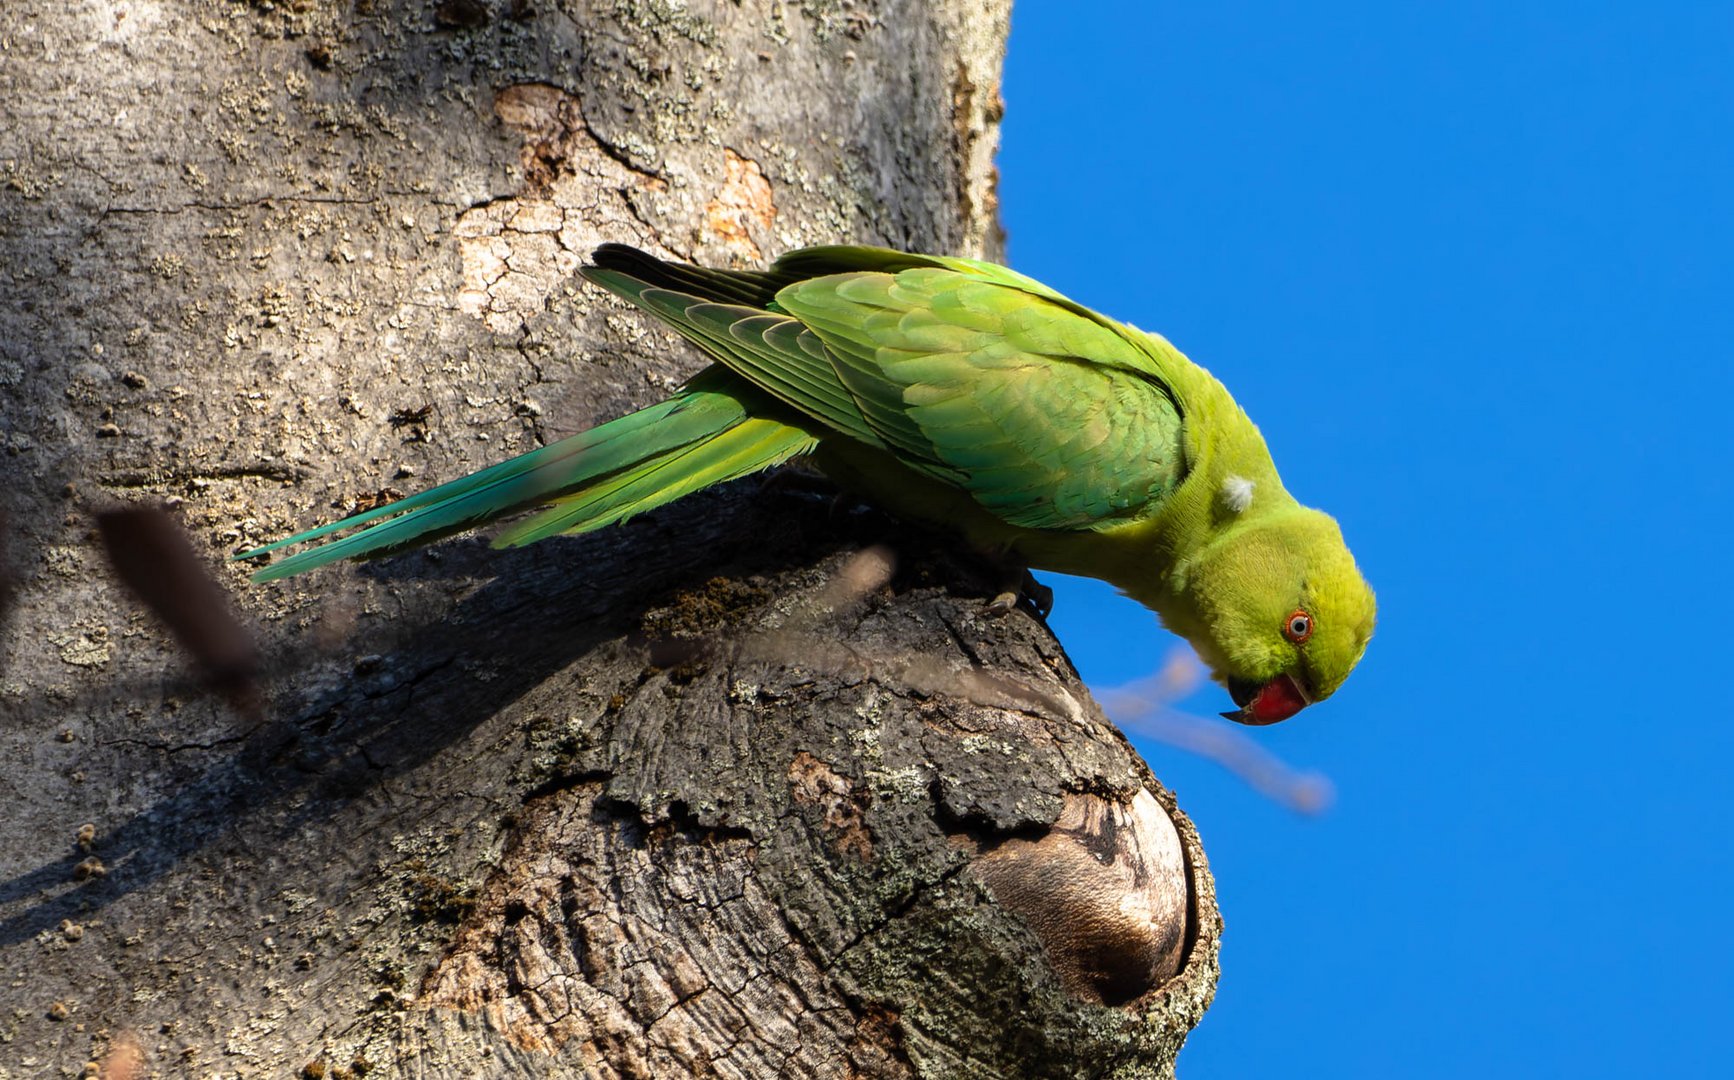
<point>1029,591</point>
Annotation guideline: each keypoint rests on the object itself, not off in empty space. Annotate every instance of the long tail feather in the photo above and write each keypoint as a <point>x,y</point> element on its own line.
<point>703,435</point>
<point>589,470</point>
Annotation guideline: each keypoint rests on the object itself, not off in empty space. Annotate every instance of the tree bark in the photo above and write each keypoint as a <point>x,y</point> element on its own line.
<point>749,787</point>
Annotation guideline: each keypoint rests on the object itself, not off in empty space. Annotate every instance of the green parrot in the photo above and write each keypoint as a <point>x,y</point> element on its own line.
<point>962,394</point>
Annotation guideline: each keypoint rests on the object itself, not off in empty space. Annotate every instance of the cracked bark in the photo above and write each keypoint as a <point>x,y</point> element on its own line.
<point>745,788</point>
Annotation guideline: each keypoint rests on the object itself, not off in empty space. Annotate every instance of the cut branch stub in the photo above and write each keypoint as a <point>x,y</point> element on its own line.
<point>831,846</point>
<point>1105,891</point>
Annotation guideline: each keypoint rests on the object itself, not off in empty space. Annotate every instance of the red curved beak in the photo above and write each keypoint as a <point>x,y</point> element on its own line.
<point>1276,700</point>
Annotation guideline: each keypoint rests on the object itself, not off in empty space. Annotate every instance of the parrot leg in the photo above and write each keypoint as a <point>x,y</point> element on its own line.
<point>1020,587</point>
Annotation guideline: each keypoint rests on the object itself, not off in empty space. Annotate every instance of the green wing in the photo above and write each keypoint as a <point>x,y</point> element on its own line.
<point>1049,415</point>
<point>1051,419</point>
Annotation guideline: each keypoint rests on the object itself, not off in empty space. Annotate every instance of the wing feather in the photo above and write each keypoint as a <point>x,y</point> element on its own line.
<point>1050,415</point>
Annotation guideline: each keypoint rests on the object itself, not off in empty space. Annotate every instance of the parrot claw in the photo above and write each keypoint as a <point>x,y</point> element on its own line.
<point>1040,597</point>
<point>1029,591</point>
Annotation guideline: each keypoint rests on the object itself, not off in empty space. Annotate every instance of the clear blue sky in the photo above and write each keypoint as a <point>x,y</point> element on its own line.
<point>1471,268</point>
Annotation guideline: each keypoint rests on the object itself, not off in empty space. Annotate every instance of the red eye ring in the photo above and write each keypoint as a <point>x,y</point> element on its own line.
<point>1298,627</point>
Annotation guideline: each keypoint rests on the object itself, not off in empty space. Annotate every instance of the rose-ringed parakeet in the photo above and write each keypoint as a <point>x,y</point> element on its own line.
<point>957,393</point>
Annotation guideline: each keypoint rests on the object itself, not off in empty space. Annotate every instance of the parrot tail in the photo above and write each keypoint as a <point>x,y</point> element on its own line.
<point>701,436</point>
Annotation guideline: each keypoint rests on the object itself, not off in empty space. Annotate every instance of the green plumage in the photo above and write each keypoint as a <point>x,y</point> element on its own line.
<point>953,391</point>
<point>700,436</point>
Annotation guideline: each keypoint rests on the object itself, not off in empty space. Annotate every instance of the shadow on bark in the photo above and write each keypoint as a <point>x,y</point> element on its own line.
<point>319,749</point>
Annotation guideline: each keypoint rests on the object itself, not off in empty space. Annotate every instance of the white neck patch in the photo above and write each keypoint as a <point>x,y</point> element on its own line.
<point>1237,493</point>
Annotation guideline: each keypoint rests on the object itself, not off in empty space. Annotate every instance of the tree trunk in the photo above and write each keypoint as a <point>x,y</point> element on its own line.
<point>749,787</point>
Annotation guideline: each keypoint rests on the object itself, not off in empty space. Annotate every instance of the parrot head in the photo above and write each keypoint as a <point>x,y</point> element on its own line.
<point>1280,612</point>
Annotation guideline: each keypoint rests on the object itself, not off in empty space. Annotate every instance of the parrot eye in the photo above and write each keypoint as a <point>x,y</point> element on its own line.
<point>1298,627</point>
